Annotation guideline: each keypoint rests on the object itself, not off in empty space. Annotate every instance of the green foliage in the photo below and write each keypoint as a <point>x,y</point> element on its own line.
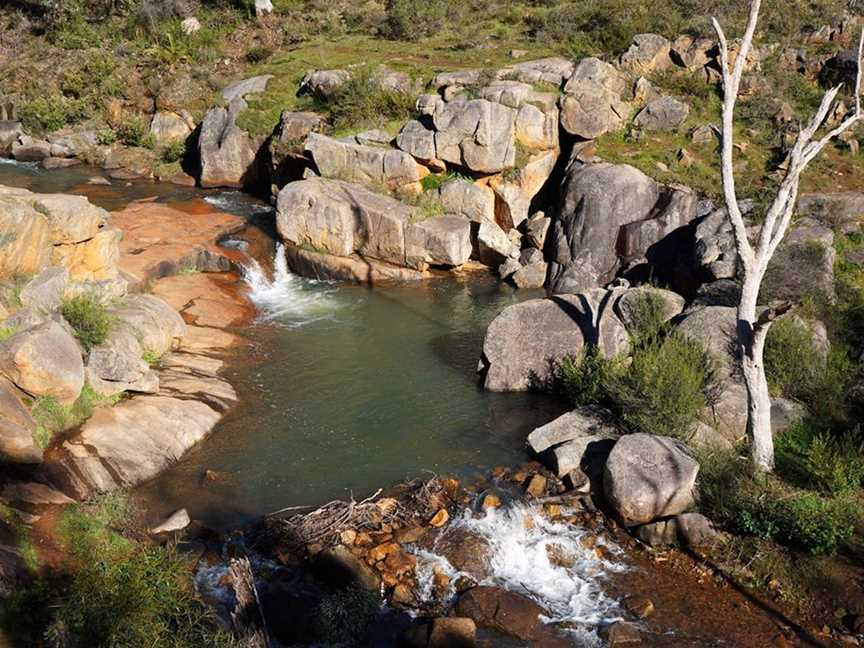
<point>134,132</point>
<point>173,151</point>
<point>112,591</point>
<point>151,357</point>
<point>106,137</point>
<point>89,317</point>
<point>6,332</point>
<point>48,113</point>
<point>793,364</point>
<point>665,386</point>
<point>410,20</point>
<point>770,508</point>
<point>435,181</point>
<point>74,33</point>
<point>362,102</point>
<point>346,617</point>
<point>814,456</point>
<point>582,378</point>
<point>53,418</point>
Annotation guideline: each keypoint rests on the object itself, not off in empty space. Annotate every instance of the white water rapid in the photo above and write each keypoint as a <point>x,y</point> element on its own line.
<point>519,538</point>
<point>287,298</point>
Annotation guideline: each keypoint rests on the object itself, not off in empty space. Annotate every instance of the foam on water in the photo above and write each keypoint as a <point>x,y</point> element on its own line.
<point>239,203</point>
<point>519,537</point>
<point>287,298</point>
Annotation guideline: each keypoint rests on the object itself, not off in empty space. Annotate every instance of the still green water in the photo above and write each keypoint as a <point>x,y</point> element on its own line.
<point>358,390</point>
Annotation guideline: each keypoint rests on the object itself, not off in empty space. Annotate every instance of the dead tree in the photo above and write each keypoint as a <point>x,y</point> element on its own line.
<point>753,259</point>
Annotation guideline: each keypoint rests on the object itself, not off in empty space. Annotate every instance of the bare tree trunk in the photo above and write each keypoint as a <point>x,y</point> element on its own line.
<point>751,339</point>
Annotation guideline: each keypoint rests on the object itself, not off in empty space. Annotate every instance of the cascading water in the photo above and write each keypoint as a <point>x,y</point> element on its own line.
<point>520,540</point>
<point>287,298</point>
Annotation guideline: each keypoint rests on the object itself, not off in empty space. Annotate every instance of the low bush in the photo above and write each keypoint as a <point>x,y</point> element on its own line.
<point>134,132</point>
<point>664,388</point>
<point>813,455</point>
<point>769,507</point>
<point>89,317</point>
<point>49,113</point>
<point>173,152</point>
<point>660,389</point>
<point>53,418</point>
<point>363,102</point>
<point>793,364</point>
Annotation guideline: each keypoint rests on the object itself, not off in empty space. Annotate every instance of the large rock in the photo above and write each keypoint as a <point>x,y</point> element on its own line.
<point>169,127</point>
<point>842,211</point>
<point>477,134</point>
<point>577,444</point>
<point>502,610</point>
<point>369,165</point>
<point>96,259</point>
<point>466,551</point>
<point>228,153</point>
<point>474,202</point>
<point>592,104</point>
<point>802,266</point>
<point>117,365</point>
<point>628,307</point>
<point>514,192</point>
<point>663,113</point>
<point>10,131</point>
<point>16,428</point>
<point>596,201</point>
<point>442,241</point>
<point>157,327</point>
<point>525,343</point>
<point>341,218</point>
<point>44,292</point>
<point>648,477</point>
<point>494,246</point>
<point>648,53</point>
<point>29,149</point>
<point>553,70</point>
<point>44,361</point>
<point>354,269</point>
<point>323,83</point>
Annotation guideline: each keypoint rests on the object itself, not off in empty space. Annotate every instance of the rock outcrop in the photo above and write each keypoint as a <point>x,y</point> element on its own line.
<point>598,201</point>
<point>16,427</point>
<point>349,221</point>
<point>228,154</point>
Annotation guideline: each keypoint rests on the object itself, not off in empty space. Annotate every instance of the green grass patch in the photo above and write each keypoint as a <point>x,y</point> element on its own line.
<point>89,317</point>
<point>53,418</point>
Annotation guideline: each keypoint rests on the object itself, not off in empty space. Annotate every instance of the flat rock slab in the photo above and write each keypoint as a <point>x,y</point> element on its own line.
<point>206,299</point>
<point>160,240</point>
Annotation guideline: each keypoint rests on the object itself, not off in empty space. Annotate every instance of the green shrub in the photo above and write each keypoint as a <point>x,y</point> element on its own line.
<point>363,102</point>
<point>134,132</point>
<point>665,386</point>
<point>6,332</point>
<point>90,319</point>
<point>581,378</point>
<point>49,113</point>
<point>346,617</point>
<point>770,508</point>
<point>173,151</point>
<point>410,20</point>
<point>106,137</point>
<point>793,364</point>
<point>813,455</point>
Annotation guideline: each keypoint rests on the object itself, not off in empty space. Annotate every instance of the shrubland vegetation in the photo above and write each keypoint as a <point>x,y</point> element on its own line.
<point>89,317</point>
<point>660,387</point>
<point>112,589</point>
<point>53,418</point>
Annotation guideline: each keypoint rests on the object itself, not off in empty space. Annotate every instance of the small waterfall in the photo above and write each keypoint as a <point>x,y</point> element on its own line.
<point>520,539</point>
<point>287,298</point>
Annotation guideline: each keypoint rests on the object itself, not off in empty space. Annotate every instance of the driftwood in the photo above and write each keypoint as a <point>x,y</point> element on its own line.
<point>247,616</point>
<point>416,501</point>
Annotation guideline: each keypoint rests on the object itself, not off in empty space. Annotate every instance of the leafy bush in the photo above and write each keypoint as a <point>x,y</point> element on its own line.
<point>668,382</point>
<point>89,317</point>
<point>173,152</point>
<point>813,455</point>
<point>411,20</point>
<point>581,378</point>
<point>49,113</point>
<point>363,102</point>
<point>6,332</point>
<point>793,364</point>
<point>770,508</point>
<point>346,617</point>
